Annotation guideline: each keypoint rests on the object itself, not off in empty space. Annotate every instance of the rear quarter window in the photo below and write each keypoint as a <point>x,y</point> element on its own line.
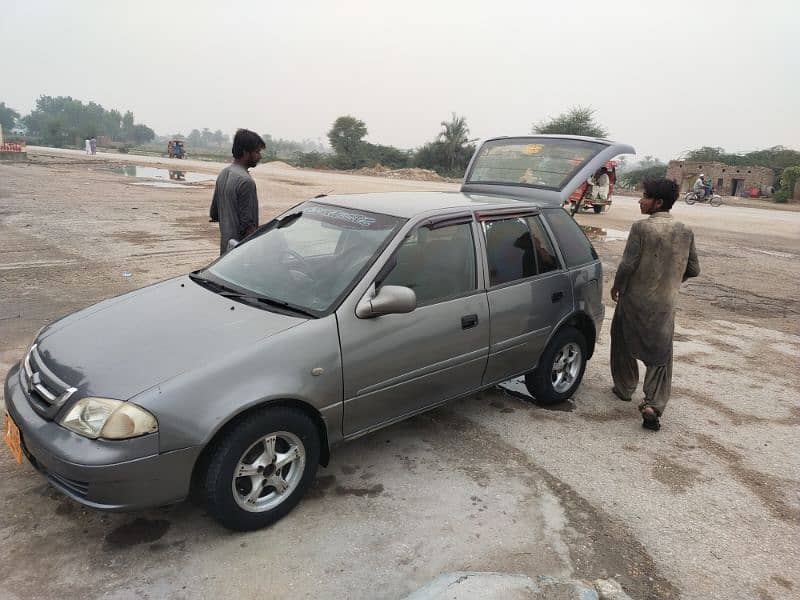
<point>575,246</point>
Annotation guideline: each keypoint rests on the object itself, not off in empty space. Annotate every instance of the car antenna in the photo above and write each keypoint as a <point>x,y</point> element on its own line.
<point>323,194</point>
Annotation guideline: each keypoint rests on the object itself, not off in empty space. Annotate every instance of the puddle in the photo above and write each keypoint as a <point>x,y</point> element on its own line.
<point>166,175</point>
<point>598,234</point>
<point>161,184</point>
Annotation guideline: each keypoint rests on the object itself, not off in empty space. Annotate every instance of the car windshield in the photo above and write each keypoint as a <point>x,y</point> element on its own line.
<point>308,258</point>
<point>534,162</point>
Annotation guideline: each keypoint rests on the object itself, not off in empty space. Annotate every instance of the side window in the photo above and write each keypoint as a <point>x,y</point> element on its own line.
<point>436,264</point>
<point>509,250</point>
<point>546,259</point>
<point>575,246</point>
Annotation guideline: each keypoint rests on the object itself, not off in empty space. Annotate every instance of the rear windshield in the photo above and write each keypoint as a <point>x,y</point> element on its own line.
<point>534,162</point>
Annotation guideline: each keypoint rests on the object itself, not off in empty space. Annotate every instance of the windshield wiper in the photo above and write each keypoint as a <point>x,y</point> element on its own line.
<point>250,298</point>
<point>283,304</point>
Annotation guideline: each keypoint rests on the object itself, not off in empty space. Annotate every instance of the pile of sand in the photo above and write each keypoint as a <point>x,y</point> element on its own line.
<point>279,164</point>
<point>415,174</point>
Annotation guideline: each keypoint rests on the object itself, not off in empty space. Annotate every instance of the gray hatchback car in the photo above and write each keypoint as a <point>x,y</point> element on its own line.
<point>341,316</point>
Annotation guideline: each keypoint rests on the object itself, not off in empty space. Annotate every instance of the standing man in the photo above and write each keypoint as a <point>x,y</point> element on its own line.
<point>235,203</point>
<point>600,183</point>
<point>658,257</point>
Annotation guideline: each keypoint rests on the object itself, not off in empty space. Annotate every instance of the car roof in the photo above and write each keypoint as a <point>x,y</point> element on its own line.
<point>411,204</point>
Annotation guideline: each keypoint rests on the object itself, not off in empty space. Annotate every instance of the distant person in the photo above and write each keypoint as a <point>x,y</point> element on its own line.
<point>600,183</point>
<point>88,146</point>
<point>235,202</point>
<point>699,187</point>
<point>93,145</point>
<point>658,257</point>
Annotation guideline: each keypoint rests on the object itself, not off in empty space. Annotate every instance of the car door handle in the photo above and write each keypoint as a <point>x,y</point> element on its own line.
<point>469,321</point>
<point>557,296</point>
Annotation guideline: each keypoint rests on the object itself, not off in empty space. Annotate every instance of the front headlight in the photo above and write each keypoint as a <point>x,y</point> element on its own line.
<point>107,418</point>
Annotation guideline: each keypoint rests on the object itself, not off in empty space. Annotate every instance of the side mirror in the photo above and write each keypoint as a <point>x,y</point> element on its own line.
<point>231,245</point>
<point>390,299</point>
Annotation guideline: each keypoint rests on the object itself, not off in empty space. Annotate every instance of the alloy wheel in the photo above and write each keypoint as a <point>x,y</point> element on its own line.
<point>268,471</point>
<point>566,367</point>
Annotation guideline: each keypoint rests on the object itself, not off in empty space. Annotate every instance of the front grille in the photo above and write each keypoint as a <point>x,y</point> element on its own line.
<point>46,391</point>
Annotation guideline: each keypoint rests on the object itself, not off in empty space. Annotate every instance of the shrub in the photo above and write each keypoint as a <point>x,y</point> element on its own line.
<point>789,178</point>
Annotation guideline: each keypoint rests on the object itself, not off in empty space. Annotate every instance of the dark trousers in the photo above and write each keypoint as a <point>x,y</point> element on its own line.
<point>625,372</point>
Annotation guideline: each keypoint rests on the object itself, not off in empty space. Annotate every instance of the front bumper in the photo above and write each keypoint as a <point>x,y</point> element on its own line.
<point>109,475</point>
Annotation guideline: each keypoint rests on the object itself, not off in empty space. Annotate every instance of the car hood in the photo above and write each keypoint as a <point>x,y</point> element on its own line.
<point>125,345</point>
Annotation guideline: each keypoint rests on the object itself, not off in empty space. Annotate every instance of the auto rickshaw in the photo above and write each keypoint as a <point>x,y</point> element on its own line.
<point>581,198</point>
<point>175,149</point>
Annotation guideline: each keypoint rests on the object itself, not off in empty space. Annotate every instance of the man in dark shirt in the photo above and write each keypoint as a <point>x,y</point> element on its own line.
<point>235,203</point>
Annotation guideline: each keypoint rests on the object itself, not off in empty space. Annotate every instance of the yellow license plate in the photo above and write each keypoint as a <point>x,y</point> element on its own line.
<point>13,440</point>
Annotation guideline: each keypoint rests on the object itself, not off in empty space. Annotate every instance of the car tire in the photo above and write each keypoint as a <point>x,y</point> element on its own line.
<point>560,369</point>
<point>275,451</point>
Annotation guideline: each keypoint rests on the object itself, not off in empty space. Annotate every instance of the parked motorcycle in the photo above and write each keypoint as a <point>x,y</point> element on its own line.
<point>712,199</point>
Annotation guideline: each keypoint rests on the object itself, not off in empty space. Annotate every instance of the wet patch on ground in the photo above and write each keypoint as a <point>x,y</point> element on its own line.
<point>600,234</point>
<point>783,582</point>
<point>610,416</point>
<point>370,492</point>
<point>291,182</point>
<point>737,418</point>
<point>678,478</point>
<point>138,531</point>
<point>701,359</point>
<point>742,301</point>
<point>501,406</point>
<point>767,488</point>
<point>177,177</point>
<point>320,486</point>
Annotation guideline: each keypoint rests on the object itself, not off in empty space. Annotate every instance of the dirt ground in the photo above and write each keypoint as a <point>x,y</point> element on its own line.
<point>709,507</point>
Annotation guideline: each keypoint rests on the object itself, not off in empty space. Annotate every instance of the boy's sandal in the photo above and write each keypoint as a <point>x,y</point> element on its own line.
<point>649,417</point>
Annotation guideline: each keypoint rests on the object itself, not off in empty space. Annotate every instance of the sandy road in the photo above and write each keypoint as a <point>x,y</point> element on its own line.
<point>707,508</point>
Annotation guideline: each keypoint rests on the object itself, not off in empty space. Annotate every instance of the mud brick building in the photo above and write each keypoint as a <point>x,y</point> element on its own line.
<point>728,180</point>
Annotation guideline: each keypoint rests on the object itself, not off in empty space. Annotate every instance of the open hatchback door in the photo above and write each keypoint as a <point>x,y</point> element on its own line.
<point>546,168</point>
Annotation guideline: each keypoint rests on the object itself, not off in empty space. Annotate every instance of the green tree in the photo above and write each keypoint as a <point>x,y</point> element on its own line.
<point>578,120</point>
<point>142,134</point>
<point>388,156</point>
<point>63,120</point>
<point>647,168</point>
<point>346,138</point>
<point>127,126</point>
<point>455,137</point>
<point>8,117</point>
<point>789,178</point>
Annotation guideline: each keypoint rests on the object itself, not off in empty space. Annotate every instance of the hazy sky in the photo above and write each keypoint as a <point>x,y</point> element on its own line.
<point>663,76</point>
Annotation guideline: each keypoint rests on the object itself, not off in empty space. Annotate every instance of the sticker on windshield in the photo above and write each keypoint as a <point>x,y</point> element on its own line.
<point>533,148</point>
<point>339,215</point>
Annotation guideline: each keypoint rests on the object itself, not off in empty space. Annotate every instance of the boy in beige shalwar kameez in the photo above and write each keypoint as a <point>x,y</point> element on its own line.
<point>658,257</point>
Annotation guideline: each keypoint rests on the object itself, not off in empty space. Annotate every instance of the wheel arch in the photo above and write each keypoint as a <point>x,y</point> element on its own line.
<point>300,405</point>
<point>583,323</point>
